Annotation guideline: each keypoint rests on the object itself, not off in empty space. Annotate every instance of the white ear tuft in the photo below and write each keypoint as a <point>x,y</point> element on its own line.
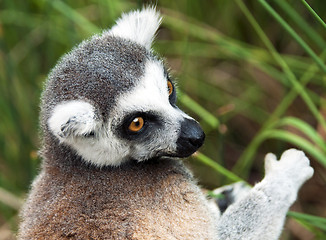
<point>71,119</point>
<point>138,26</point>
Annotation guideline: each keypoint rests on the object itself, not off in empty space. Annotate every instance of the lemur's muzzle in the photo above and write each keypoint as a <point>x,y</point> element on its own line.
<point>190,139</point>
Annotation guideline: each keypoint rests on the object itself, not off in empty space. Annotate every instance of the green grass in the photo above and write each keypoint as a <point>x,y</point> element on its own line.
<point>252,72</point>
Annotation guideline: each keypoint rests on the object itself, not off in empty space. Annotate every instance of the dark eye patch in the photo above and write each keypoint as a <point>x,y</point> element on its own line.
<point>173,95</point>
<point>152,121</point>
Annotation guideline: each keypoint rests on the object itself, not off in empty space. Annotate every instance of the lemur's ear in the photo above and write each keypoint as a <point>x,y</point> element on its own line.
<point>138,26</point>
<point>73,119</point>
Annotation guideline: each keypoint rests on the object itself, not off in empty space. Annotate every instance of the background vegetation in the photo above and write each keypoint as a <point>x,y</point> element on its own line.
<point>252,72</point>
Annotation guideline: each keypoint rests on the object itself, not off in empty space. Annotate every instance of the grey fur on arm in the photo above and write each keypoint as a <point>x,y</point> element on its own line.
<point>261,213</point>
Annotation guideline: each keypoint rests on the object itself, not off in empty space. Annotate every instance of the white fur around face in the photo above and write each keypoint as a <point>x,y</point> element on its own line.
<point>151,94</point>
<point>104,149</point>
<point>138,26</point>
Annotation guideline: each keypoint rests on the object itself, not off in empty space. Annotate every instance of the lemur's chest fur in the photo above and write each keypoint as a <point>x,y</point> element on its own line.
<point>95,204</point>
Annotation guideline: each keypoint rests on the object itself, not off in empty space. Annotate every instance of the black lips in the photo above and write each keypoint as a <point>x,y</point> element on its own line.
<point>191,138</point>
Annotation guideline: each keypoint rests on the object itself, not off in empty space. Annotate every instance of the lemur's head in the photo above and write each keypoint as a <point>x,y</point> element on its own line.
<point>110,99</point>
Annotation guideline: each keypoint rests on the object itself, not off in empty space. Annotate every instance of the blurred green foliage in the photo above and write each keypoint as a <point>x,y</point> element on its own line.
<point>252,72</point>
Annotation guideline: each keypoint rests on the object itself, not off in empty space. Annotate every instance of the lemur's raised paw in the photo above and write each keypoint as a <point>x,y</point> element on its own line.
<point>293,165</point>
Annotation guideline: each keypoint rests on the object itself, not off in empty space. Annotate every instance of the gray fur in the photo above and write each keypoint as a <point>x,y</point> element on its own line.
<point>99,68</point>
<point>142,195</point>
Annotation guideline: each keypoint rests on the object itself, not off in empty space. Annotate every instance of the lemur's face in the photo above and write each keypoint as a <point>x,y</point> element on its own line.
<point>142,123</point>
<point>148,122</point>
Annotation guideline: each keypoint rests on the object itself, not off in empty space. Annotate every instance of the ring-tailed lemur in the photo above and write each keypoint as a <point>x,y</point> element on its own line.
<point>112,139</point>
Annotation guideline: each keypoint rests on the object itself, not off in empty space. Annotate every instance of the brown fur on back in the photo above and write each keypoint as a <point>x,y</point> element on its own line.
<point>151,200</point>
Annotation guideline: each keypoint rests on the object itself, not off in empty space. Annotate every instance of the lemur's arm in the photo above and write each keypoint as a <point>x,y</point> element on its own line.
<point>261,213</point>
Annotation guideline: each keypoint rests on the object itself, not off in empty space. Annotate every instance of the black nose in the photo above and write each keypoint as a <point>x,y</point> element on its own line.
<point>190,139</point>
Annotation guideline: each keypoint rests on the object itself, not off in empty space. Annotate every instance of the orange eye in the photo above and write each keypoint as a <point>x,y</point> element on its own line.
<point>136,124</point>
<point>170,88</point>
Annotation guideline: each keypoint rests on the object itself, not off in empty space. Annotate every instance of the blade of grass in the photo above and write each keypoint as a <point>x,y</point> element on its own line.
<point>262,58</point>
<point>297,141</point>
<point>206,116</point>
<point>209,91</point>
<point>314,13</point>
<point>290,75</point>
<point>318,222</point>
<point>245,161</point>
<point>294,35</point>
<point>10,199</point>
<point>205,33</point>
<point>232,48</point>
<point>217,167</point>
<point>216,37</point>
<point>304,128</point>
<point>77,18</point>
<point>300,22</point>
